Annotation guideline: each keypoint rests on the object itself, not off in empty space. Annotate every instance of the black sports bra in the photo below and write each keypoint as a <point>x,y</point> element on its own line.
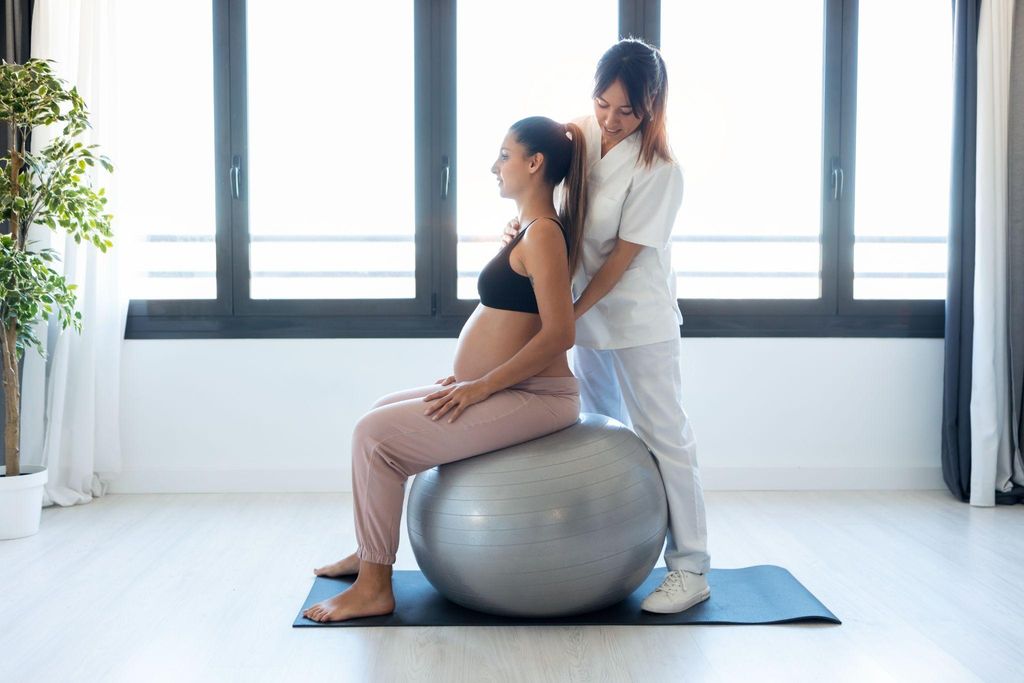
<point>501,287</point>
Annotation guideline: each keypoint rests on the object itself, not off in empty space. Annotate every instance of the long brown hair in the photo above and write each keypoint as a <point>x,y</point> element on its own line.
<point>641,69</point>
<point>565,161</point>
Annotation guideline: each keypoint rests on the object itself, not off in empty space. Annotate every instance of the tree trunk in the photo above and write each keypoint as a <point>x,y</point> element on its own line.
<point>9,332</point>
<point>12,400</point>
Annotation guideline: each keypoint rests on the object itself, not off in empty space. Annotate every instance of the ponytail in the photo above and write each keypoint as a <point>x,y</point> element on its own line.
<point>573,211</point>
<point>565,162</point>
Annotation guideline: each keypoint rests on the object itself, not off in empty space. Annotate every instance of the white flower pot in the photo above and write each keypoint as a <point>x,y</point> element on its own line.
<point>21,501</point>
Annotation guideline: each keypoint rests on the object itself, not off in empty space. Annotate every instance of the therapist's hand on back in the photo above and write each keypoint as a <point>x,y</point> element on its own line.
<point>511,230</point>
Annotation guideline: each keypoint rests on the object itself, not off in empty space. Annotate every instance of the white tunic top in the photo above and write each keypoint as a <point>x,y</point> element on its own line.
<point>627,199</point>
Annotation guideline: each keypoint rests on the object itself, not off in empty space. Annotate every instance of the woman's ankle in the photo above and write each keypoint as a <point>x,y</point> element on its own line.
<point>374,576</point>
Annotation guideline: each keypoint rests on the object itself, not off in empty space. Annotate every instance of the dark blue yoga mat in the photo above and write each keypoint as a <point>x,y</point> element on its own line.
<point>763,594</point>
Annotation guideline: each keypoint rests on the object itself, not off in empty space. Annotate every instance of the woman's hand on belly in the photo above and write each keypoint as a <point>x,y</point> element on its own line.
<point>456,398</point>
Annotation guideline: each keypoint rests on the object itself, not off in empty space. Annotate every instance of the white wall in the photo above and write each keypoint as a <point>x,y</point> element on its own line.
<point>276,415</point>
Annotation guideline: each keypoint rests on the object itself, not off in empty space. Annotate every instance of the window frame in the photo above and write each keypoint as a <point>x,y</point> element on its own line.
<point>436,310</point>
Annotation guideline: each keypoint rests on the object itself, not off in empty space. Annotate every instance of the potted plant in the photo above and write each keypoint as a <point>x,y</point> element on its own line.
<point>52,188</point>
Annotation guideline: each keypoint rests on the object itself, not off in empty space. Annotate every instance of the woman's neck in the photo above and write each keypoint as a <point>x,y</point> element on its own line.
<point>608,145</point>
<point>537,205</point>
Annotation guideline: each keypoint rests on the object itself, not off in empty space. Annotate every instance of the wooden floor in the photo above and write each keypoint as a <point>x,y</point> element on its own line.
<point>205,587</point>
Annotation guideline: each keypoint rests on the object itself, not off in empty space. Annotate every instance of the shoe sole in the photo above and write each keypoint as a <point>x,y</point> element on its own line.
<point>700,597</point>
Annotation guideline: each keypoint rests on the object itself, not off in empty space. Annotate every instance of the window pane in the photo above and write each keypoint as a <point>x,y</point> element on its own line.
<point>331,150</point>
<point>537,59</point>
<point>745,117</point>
<point>904,130</point>
<point>176,254</point>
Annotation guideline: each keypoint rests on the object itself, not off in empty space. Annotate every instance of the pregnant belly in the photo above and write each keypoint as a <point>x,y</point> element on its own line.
<point>491,336</point>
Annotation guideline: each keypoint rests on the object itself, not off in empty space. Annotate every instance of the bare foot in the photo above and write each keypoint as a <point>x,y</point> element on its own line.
<point>357,601</point>
<point>346,567</point>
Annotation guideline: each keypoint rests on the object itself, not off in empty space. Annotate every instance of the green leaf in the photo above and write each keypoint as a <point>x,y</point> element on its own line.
<point>53,189</point>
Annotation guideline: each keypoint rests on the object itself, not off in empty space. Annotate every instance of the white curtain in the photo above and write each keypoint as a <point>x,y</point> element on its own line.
<point>991,435</point>
<point>70,403</point>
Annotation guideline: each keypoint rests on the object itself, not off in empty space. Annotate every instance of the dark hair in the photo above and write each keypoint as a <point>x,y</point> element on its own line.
<point>641,69</point>
<point>565,155</point>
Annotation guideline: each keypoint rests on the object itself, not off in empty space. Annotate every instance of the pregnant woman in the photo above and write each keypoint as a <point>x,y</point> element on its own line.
<point>511,380</point>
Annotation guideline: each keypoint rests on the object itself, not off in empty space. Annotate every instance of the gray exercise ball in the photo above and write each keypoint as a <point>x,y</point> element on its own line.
<point>568,523</point>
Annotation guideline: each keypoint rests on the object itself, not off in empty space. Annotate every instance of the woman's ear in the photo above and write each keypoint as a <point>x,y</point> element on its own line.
<point>535,162</point>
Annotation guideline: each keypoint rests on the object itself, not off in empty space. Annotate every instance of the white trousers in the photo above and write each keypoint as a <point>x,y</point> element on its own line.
<point>641,387</point>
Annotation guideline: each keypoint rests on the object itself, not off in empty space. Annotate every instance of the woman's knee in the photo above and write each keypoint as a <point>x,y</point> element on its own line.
<point>383,401</point>
<point>368,437</point>
<point>367,431</point>
<point>404,395</point>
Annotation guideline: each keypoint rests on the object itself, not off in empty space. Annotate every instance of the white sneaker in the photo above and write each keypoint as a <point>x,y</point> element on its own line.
<point>679,591</point>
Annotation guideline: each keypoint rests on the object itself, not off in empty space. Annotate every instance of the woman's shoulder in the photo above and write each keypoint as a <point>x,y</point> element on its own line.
<point>658,171</point>
<point>548,225</point>
<point>542,234</point>
<point>541,243</point>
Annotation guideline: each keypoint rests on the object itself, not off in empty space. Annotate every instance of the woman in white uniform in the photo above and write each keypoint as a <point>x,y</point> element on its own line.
<point>627,349</point>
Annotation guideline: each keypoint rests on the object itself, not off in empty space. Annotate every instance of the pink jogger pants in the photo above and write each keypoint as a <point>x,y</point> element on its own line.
<point>395,440</point>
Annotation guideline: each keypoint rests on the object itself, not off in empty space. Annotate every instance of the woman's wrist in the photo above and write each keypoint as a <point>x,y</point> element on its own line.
<point>488,383</point>
<point>579,308</point>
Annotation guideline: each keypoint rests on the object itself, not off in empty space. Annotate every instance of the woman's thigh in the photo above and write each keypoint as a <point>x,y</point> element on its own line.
<point>406,394</point>
<point>413,442</point>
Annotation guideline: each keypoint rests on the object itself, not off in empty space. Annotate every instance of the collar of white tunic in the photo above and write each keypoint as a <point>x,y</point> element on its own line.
<point>623,154</point>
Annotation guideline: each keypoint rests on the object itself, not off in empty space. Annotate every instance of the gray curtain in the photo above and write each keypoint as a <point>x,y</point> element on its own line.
<point>959,331</point>
<point>1015,256</point>
<point>17,29</point>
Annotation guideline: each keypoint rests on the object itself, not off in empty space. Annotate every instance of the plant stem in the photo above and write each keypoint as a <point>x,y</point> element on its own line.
<point>15,170</point>
<point>12,399</point>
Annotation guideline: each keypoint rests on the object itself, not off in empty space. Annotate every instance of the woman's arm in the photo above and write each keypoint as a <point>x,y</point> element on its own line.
<point>648,215</point>
<point>545,261</point>
<point>607,275</point>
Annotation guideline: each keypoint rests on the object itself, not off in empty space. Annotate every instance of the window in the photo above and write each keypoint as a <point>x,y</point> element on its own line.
<point>175,252</point>
<point>904,123</point>
<point>337,165</point>
<point>331,189</point>
<point>553,78</point>
<point>745,112</point>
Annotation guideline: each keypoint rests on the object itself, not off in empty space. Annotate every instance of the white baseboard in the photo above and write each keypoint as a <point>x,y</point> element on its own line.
<point>231,481</point>
<point>821,478</point>
<point>714,479</point>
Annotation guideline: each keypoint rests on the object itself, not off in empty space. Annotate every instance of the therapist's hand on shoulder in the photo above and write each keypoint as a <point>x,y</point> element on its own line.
<point>456,398</point>
<point>511,230</point>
